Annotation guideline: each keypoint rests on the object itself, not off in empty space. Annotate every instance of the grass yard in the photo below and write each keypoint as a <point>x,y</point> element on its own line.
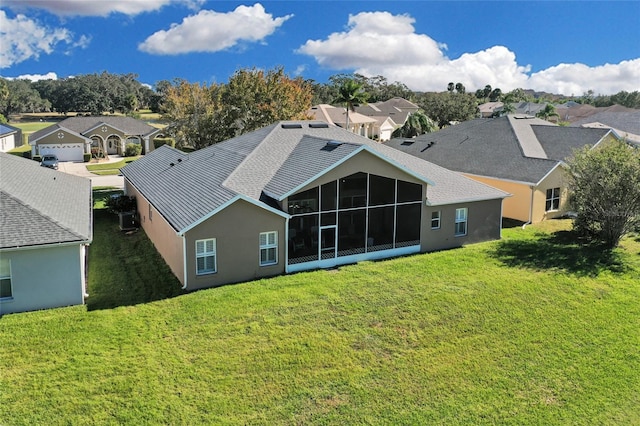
<point>112,168</point>
<point>531,330</point>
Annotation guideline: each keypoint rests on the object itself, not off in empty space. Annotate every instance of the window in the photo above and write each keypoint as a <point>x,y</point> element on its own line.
<point>5,279</point>
<point>435,220</point>
<point>206,256</point>
<point>268,248</point>
<point>461,222</point>
<point>553,199</point>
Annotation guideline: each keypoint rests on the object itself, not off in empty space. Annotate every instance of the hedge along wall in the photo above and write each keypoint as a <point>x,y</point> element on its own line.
<point>158,142</point>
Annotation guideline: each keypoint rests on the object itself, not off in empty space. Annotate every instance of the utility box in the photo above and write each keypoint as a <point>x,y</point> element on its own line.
<point>128,221</point>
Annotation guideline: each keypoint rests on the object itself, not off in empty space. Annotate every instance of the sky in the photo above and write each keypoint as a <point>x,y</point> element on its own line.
<point>561,47</point>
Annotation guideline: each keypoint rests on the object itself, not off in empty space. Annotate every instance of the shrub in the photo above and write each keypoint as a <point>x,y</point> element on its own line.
<point>86,157</point>
<point>158,142</point>
<point>121,203</point>
<point>132,150</point>
<point>37,158</point>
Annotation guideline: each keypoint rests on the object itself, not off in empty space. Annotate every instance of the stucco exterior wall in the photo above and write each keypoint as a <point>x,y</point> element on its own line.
<point>8,142</point>
<point>518,206</point>
<point>162,235</point>
<point>484,223</point>
<point>237,231</point>
<point>554,180</point>
<point>54,139</point>
<point>45,278</point>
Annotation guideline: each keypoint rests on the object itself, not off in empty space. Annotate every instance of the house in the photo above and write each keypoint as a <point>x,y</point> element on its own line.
<point>300,195</point>
<point>521,155</point>
<point>626,123</point>
<point>10,137</point>
<point>71,138</point>
<point>46,219</point>
<point>490,109</point>
<point>358,123</point>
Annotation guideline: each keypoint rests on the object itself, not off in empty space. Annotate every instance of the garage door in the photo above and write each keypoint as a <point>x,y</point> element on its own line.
<point>64,151</point>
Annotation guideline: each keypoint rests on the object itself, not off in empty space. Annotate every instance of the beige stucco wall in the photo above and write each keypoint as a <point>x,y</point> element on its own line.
<point>484,222</point>
<point>237,230</point>
<point>162,235</point>
<point>555,179</point>
<point>68,138</point>
<point>518,206</point>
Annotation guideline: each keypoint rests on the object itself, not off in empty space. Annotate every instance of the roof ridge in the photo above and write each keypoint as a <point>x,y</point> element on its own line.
<point>44,215</point>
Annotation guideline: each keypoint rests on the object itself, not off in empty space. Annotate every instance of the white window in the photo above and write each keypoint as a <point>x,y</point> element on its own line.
<point>553,199</point>
<point>206,256</point>
<point>5,279</point>
<point>268,248</point>
<point>435,220</point>
<point>461,222</point>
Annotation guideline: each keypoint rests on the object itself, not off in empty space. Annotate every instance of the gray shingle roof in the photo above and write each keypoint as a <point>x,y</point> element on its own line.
<point>625,121</point>
<point>490,147</point>
<point>41,206</point>
<point>274,159</point>
<point>80,125</point>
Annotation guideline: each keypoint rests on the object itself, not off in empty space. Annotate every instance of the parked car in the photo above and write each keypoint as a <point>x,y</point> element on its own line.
<point>50,161</point>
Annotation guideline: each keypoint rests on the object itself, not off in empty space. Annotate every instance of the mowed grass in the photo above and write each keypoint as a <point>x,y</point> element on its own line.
<point>112,168</point>
<point>534,329</point>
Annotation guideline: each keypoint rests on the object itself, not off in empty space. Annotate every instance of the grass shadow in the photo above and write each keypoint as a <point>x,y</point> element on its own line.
<point>562,251</point>
<point>125,268</point>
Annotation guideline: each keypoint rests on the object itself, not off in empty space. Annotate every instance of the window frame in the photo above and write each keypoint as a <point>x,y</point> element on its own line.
<point>206,254</point>
<point>550,200</point>
<point>438,219</point>
<point>268,246</point>
<point>7,277</point>
<point>461,219</point>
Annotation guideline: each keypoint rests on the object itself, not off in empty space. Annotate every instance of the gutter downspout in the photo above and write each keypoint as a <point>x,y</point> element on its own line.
<point>184,261</point>
<point>286,245</point>
<point>530,208</point>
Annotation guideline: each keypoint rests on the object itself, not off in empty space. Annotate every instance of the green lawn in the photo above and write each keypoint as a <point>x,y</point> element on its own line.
<point>110,168</point>
<point>531,330</point>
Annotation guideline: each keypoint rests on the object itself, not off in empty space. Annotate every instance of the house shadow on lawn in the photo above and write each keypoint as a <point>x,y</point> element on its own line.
<point>125,268</point>
<point>562,251</point>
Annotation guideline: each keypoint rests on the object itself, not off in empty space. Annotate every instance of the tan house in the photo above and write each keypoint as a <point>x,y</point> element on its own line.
<point>301,195</point>
<point>521,155</point>
<point>71,138</point>
<point>47,224</point>
<point>358,123</point>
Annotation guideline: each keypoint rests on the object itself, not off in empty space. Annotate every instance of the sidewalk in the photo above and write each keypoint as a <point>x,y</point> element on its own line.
<point>80,169</point>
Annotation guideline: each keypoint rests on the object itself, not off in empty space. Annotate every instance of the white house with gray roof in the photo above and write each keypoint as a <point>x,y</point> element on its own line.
<point>301,195</point>
<point>71,138</point>
<point>46,219</point>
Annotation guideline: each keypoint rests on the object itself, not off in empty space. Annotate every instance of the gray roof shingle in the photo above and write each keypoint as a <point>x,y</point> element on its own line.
<point>80,125</point>
<point>41,206</point>
<point>274,159</point>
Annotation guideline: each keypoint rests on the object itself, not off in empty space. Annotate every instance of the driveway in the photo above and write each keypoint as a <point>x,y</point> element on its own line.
<point>80,169</point>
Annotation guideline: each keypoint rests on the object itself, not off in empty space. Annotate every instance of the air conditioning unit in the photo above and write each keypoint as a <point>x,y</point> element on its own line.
<point>128,221</point>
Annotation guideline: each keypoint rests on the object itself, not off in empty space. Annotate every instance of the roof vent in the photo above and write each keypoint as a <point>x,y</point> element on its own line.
<point>331,145</point>
<point>291,126</point>
<point>407,143</point>
<point>429,145</point>
<point>319,125</point>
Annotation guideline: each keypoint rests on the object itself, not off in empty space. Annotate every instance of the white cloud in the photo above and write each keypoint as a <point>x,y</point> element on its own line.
<point>379,43</point>
<point>22,38</point>
<point>35,77</point>
<point>96,7</point>
<point>210,31</point>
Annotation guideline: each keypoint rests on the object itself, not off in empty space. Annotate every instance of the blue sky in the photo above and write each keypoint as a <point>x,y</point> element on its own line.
<point>565,47</point>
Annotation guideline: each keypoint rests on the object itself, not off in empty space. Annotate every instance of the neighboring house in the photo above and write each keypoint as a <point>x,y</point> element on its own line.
<point>489,109</point>
<point>46,219</point>
<point>358,123</point>
<point>301,195</point>
<point>75,136</point>
<point>522,155</point>
<point>10,137</point>
<point>573,112</point>
<point>625,123</point>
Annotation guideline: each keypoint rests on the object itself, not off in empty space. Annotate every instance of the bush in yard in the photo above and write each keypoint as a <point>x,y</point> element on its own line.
<point>121,203</point>
<point>37,158</point>
<point>158,142</point>
<point>132,150</point>
<point>86,157</point>
<point>604,184</point>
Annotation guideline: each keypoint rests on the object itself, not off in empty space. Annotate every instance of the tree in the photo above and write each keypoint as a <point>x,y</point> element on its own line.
<point>548,112</point>
<point>351,94</point>
<point>22,97</point>
<point>417,124</point>
<point>445,107</point>
<point>604,184</point>
<point>460,88</point>
<point>450,87</point>
<point>495,94</point>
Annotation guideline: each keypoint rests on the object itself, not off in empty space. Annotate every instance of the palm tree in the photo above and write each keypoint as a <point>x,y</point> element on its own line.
<point>548,112</point>
<point>417,123</point>
<point>351,94</point>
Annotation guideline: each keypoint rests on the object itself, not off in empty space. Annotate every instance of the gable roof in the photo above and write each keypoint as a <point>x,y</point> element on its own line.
<point>334,115</point>
<point>6,129</point>
<point>40,206</point>
<point>623,122</point>
<point>82,125</point>
<point>522,150</point>
<point>274,161</point>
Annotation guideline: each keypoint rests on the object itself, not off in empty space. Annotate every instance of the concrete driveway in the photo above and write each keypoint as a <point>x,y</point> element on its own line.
<point>80,169</point>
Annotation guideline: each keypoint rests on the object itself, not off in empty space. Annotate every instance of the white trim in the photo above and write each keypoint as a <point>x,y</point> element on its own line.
<point>434,228</point>
<point>45,246</point>
<point>102,123</point>
<point>267,246</point>
<point>465,221</point>
<point>184,261</point>
<point>227,204</point>
<point>345,260</point>
<point>57,129</point>
<point>10,278</point>
<point>207,254</point>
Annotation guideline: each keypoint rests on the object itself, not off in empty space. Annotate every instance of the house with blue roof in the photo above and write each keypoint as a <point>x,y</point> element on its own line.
<point>10,137</point>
